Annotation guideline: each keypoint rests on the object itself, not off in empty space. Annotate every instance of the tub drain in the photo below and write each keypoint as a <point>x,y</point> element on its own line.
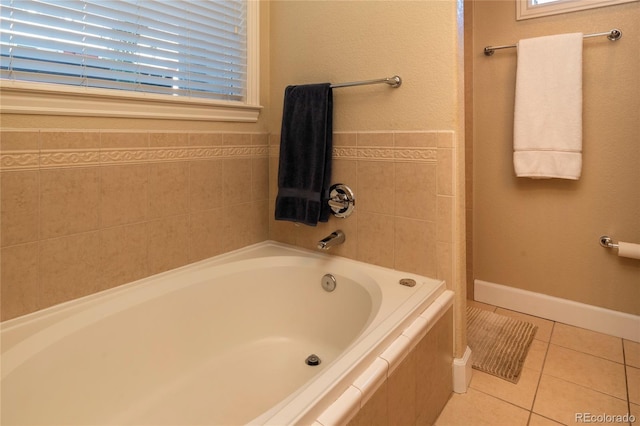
<point>312,359</point>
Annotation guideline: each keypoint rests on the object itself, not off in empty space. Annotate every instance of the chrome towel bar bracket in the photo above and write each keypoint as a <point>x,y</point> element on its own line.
<point>606,241</point>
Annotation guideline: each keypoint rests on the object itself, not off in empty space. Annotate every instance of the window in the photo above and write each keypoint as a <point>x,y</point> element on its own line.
<point>526,9</point>
<point>192,53</point>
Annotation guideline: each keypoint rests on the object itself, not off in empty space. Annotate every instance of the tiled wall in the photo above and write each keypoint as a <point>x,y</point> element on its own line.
<point>420,386</point>
<point>404,188</point>
<point>88,210</point>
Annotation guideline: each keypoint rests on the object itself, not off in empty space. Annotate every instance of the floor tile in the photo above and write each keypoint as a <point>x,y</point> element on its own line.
<point>633,384</point>
<point>635,411</point>
<point>632,353</point>
<point>545,326</point>
<point>520,394</point>
<point>564,401</point>
<point>481,305</point>
<point>479,409</point>
<point>587,341</point>
<point>538,420</point>
<point>536,355</point>
<point>587,370</point>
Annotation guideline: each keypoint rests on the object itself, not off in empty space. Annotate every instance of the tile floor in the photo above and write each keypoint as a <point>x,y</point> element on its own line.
<point>569,372</point>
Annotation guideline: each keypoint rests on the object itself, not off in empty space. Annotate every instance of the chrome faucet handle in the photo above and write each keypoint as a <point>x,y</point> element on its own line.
<point>341,200</point>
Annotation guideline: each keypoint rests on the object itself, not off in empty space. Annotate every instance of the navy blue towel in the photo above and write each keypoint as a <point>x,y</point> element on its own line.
<point>304,173</point>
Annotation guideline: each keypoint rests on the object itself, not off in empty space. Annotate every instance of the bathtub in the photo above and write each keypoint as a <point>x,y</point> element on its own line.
<point>222,341</point>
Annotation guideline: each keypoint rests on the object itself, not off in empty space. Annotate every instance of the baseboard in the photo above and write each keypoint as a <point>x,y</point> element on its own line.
<point>591,317</point>
<point>462,372</point>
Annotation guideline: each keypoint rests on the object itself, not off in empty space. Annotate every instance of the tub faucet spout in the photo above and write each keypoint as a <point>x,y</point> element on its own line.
<point>333,239</point>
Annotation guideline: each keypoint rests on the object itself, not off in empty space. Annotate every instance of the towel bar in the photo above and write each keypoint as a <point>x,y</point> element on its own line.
<point>612,35</point>
<point>394,82</point>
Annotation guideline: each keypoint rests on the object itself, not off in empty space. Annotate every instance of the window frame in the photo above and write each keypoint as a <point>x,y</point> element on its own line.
<point>526,10</point>
<point>22,97</point>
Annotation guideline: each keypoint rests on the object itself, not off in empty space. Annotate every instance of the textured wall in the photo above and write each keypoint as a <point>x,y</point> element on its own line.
<point>542,235</point>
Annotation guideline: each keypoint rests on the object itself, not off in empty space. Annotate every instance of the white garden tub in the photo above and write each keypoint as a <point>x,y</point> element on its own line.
<point>219,342</point>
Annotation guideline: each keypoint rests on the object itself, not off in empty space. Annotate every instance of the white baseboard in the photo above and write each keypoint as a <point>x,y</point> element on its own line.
<point>462,372</point>
<point>591,317</point>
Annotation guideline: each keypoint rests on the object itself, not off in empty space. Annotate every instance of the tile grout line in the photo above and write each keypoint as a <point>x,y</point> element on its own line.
<point>544,361</point>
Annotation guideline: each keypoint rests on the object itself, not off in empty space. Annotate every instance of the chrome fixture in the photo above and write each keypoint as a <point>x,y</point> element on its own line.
<point>613,35</point>
<point>333,239</point>
<point>328,282</point>
<point>341,200</point>
<point>394,82</point>
<point>607,242</point>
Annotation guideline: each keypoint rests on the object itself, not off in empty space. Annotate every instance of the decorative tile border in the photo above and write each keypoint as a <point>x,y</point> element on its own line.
<point>47,159</point>
<point>378,153</point>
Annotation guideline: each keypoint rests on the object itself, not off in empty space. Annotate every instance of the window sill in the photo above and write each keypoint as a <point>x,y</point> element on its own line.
<point>51,99</point>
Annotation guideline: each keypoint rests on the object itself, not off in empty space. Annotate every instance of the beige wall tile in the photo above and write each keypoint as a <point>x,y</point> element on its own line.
<point>444,218</point>
<point>19,201</point>
<point>205,185</point>
<point>273,177</point>
<point>113,140</point>
<point>446,139</point>
<point>445,172</point>
<point>236,175</point>
<point>19,280</point>
<point>235,232</point>
<point>205,139</point>
<point>346,172</point>
<point>380,139</point>
<point>586,370</point>
<point>236,139</point>
<point>19,140</point>
<point>415,246</point>
<point>124,194</point>
<point>415,139</point>
<point>375,187</point>
<point>69,140</point>
<point>70,267</point>
<point>402,392</point>
<point>168,245</point>
<point>168,139</point>
<point>375,411</point>
<point>445,263</point>
<point>259,178</point>
<point>205,236</point>
<point>375,233</point>
<point>168,189</point>
<point>560,400</point>
<point>344,139</point>
<point>260,139</point>
<point>587,341</point>
<point>258,223</point>
<point>415,191</point>
<point>69,201</point>
<point>124,254</point>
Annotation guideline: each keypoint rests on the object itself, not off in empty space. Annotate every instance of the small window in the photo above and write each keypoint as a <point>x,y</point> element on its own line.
<point>195,51</point>
<point>526,9</point>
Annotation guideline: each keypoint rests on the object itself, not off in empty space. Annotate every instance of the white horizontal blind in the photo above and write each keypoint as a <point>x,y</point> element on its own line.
<point>184,48</point>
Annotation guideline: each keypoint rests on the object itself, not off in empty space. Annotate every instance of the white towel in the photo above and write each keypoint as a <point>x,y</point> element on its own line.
<point>548,109</point>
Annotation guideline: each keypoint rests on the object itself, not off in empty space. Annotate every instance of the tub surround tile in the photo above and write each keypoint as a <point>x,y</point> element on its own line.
<point>124,251</point>
<point>19,280</point>
<point>19,140</point>
<point>19,194</point>
<point>376,192</point>
<point>415,246</point>
<point>120,140</point>
<point>169,139</point>
<point>444,230</point>
<point>402,392</point>
<point>374,411</point>
<point>415,139</point>
<point>65,140</point>
<point>377,139</point>
<point>205,139</point>
<point>124,186</point>
<point>236,139</point>
<point>69,267</point>
<point>375,232</point>
<point>168,243</point>
<point>343,409</point>
<point>205,185</point>
<point>396,352</point>
<point>205,239</point>
<point>236,177</point>
<point>415,191</point>
<point>259,179</point>
<point>371,379</point>
<point>69,201</point>
<point>168,189</point>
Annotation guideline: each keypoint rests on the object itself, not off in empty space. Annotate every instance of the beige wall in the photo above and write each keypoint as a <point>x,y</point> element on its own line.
<point>401,150</point>
<point>542,235</point>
